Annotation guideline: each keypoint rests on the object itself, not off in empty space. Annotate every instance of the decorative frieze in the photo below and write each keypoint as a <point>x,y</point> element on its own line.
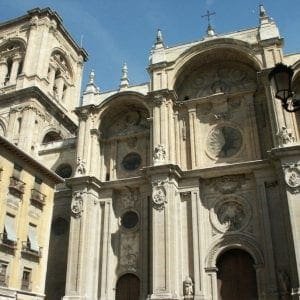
<point>227,184</point>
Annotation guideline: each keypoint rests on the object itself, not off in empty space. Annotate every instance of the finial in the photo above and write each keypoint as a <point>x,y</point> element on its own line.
<point>159,37</point>
<point>159,41</point>
<point>92,77</point>
<point>124,79</point>
<point>263,16</point>
<point>210,31</point>
<point>91,86</point>
<point>262,11</point>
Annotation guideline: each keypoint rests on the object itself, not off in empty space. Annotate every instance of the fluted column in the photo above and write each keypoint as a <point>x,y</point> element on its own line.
<point>3,71</point>
<point>192,123</point>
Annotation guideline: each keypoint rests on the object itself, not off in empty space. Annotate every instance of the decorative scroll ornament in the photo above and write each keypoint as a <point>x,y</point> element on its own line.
<point>227,184</point>
<point>80,167</point>
<point>77,204</point>
<point>292,177</point>
<point>159,154</point>
<point>188,288</point>
<point>285,136</point>
<point>158,195</point>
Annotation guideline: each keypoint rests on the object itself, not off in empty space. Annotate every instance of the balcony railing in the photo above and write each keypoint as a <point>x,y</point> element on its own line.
<point>26,285</point>
<point>37,197</point>
<point>3,280</point>
<point>4,241</point>
<point>16,187</point>
<point>26,249</point>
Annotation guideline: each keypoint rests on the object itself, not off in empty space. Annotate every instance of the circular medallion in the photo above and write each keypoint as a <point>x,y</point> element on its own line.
<point>129,219</point>
<point>230,214</point>
<point>131,161</point>
<point>224,142</point>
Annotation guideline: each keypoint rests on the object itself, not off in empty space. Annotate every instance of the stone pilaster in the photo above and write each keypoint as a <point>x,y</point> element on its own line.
<point>3,71</point>
<point>83,256</point>
<point>164,260</point>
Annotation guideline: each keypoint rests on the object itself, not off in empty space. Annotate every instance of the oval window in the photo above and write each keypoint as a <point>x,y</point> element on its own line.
<point>131,161</point>
<point>129,219</point>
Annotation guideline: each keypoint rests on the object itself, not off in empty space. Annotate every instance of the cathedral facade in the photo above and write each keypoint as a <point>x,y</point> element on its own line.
<point>186,187</point>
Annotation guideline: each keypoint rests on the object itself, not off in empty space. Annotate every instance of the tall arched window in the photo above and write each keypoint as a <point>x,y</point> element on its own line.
<point>59,76</point>
<point>11,62</point>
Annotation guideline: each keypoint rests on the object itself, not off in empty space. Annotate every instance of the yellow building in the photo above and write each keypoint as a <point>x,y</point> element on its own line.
<point>26,193</point>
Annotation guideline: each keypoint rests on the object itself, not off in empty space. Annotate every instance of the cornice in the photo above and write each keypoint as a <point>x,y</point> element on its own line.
<point>51,107</point>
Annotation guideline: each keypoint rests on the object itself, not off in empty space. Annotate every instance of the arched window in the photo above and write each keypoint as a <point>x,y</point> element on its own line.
<point>64,171</point>
<point>52,136</point>
<point>59,75</point>
<point>128,287</point>
<point>11,62</point>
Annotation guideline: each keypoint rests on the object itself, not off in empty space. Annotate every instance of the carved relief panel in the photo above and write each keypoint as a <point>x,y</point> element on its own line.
<point>125,139</point>
<point>127,208</point>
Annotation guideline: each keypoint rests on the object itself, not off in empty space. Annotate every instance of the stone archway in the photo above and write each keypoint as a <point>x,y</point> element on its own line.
<point>128,287</point>
<point>236,276</point>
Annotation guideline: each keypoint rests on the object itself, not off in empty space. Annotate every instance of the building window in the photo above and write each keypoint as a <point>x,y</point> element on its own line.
<point>32,241</point>
<point>9,236</point>
<point>131,161</point>
<point>129,219</point>
<point>3,273</point>
<point>16,186</point>
<point>51,136</point>
<point>64,171</point>
<point>26,279</point>
<point>37,198</point>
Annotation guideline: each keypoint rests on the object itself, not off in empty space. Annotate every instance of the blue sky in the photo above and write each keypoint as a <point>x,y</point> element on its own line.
<point>115,31</point>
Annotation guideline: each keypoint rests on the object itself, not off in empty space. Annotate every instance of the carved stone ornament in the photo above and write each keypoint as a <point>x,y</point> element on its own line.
<point>224,142</point>
<point>77,204</point>
<point>227,184</point>
<point>292,177</point>
<point>129,252</point>
<point>158,195</point>
<point>159,154</point>
<point>230,214</point>
<point>80,167</point>
<point>285,136</point>
<point>188,288</point>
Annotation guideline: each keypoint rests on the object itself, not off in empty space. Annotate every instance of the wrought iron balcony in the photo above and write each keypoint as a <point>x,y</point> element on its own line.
<point>4,241</point>
<point>37,197</point>
<point>3,279</point>
<point>16,186</point>
<point>26,249</point>
<point>26,285</point>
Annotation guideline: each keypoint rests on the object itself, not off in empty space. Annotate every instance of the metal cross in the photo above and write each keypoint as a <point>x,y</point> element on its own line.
<point>208,15</point>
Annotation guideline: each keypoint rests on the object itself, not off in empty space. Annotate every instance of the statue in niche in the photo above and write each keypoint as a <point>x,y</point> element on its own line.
<point>159,154</point>
<point>188,288</point>
<point>80,167</point>
<point>285,136</point>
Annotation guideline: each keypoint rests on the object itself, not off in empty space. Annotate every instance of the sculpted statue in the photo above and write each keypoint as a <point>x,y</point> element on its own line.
<point>188,287</point>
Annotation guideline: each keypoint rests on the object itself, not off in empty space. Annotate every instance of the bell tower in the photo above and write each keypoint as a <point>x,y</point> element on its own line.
<point>40,78</point>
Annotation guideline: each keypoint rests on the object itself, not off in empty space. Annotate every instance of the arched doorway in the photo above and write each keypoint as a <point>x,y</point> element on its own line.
<point>128,288</point>
<point>236,276</point>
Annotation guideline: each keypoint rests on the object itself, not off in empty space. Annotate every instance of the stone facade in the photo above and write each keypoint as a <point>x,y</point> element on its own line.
<point>164,178</point>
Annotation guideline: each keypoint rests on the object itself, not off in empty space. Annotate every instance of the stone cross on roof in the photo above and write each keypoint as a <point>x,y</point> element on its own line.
<point>210,31</point>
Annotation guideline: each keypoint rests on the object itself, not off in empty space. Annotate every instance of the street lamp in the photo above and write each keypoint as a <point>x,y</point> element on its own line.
<point>281,78</point>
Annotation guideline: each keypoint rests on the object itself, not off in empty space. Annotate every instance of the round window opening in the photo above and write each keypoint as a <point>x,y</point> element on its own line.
<point>131,161</point>
<point>129,219</point>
